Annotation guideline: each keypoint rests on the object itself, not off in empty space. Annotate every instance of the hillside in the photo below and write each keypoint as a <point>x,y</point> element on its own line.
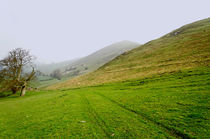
<point>80,66</point>
<point>98,58</point>
<point>49,68</point>
<point>185,48</point>
<point>89,63</point>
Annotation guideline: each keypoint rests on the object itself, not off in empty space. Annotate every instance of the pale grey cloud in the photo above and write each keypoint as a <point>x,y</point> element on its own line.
<point>64,29</point>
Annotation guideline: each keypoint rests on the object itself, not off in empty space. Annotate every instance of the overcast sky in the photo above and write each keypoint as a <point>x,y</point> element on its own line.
<point>57,30</point>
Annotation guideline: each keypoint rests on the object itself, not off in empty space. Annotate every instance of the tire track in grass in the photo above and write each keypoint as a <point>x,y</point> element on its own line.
<point>123,123</point>
<point>96,118</point>
<point>170,130</point>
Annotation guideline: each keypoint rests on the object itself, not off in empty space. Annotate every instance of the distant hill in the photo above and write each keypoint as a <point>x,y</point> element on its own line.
<point>99,58</point>
<point>89,63</point>
<point>185,48</point>
<point>48,68</point>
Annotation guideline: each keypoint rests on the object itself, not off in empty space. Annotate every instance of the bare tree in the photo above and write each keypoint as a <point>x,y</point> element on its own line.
<point>12,76</point>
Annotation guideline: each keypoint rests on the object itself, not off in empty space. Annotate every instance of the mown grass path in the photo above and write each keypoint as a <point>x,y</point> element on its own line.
<point>166,106</point>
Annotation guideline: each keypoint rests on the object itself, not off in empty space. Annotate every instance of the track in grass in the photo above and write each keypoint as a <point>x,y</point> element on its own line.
<point>116,121</point>
<point>170,130</point>
<point>94,117</point>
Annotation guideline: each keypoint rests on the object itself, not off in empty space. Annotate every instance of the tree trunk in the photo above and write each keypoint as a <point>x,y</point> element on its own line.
<point>23,91</point>
<point>19,73</point>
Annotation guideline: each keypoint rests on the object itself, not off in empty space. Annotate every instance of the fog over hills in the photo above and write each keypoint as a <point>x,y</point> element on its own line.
<point>48,68</point>
<point>89,63</point>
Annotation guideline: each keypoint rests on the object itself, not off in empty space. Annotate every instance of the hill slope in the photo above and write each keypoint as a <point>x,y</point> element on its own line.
<point>89,63</point>
<point>185,48</point>
<point>98,58</point>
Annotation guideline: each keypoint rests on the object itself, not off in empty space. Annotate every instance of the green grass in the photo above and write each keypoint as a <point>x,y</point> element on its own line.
<point>173,105</point>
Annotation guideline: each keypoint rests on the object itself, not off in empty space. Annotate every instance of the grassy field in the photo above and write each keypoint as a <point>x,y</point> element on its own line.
<point>171,105</point>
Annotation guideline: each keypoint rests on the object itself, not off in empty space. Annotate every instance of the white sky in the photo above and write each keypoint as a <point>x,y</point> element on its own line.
<point>56,30</point>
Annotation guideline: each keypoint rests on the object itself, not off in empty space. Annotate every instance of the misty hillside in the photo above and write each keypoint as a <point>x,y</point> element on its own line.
<point>99,58</point>
<point>89,63</point>
<point>185,48</point>
<point>48,68</point>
